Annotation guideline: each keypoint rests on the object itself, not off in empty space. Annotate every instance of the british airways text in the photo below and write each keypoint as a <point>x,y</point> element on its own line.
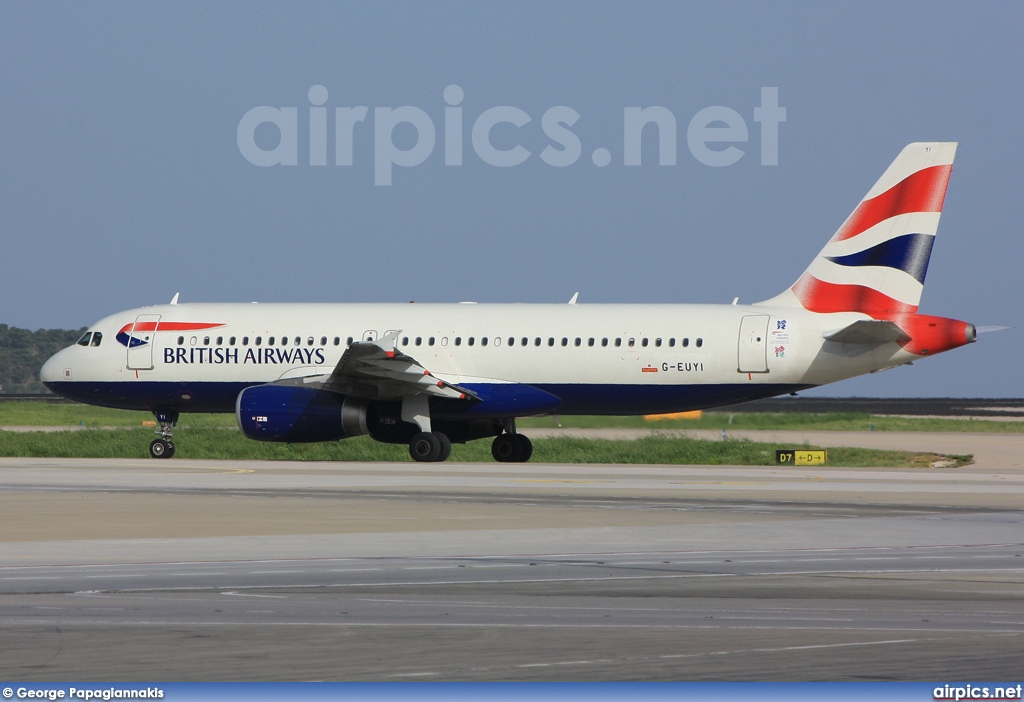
<point>253,356</point>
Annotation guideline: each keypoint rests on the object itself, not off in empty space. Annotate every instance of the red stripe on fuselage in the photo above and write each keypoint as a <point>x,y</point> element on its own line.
<point>168,326</point>
<point>923,191</point>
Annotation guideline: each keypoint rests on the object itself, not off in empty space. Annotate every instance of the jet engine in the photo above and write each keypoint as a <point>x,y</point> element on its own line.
<point>296,415</point>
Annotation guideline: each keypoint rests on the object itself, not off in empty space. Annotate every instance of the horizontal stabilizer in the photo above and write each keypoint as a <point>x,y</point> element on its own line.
<point>867,331</point>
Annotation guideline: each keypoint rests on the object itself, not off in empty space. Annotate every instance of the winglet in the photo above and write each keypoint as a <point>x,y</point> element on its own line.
<point>575,297</point>
<point>174,300</point>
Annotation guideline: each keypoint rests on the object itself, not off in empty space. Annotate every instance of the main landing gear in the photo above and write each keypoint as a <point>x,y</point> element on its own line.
<point>511,447</point>
<point>434,447</point>
<point>430,447</point>
<point>164,447</point>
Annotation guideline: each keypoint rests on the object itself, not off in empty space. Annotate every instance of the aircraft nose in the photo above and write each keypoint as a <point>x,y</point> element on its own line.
<point>53,370</point>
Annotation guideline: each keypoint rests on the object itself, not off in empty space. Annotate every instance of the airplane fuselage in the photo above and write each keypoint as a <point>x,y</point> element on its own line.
<point>597,359</point>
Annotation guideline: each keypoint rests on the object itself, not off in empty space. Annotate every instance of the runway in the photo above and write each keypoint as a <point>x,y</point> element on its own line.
<point>218,570</point>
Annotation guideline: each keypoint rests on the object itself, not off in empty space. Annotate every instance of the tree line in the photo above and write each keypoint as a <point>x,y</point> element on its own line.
<point>23,352</point>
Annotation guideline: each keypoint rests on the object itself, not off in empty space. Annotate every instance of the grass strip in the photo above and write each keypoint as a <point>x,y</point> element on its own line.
<point>39,413</point>
<point>220,443</point>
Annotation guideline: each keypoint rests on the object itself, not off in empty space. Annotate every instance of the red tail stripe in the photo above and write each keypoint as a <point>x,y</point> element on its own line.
<point>819,296</point>
<point>922,191</point>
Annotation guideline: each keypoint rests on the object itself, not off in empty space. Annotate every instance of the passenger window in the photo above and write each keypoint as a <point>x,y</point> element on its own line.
<point>430,341</point>
<point>206,341</point>
<point>700,342</point>
<point>181,341</point>
<point>524,341</point>
<point>444,341</point>
<point>618,341</point>
<point>497,341</point>
<point>298,341</point>
<point>511,341</point>
<point>405,341</point>
<point>231,341</point>
<point>284,341</point>
<point>643,342</point>
<point>458,341</point>
<point>270,341</point>
<point>259,340</point>
<point>337,341</point>
<point>672,342</point>
<point>657,342</point>
<point>632,343</point>
<point>604,341</point>
<point>551,341</point>
<point>245,341</point>
<point>419,340</point>
<point>471,341</point>
<point>97,338</point>
<point>590,341</point>
<point>483,341</point>
<point>309,342</point>
<point>220,341</point>
<point>84,341</point>
<point>323,341</point>
<point>686,342</point>
<point>348,342</point>
<point>565,341</point>
<point>577,341</point>
<point>536,342</point>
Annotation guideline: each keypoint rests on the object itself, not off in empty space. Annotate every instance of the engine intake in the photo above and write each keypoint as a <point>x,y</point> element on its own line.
<point>299,415</point>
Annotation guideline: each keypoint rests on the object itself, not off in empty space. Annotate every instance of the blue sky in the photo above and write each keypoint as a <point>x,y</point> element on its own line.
<point>123,181</point>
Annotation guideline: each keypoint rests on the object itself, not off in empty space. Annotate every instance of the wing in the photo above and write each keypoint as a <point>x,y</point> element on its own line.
<point>377,370</point>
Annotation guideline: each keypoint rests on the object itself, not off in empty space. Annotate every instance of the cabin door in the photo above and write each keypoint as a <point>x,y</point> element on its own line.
<point>753,344</point>
<point>141,338</point>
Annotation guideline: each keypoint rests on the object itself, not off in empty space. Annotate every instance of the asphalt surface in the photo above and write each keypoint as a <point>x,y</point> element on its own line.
<point>220,570</point>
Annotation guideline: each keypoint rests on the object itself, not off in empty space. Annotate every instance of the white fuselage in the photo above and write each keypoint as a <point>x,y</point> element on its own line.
<point>599,359</point>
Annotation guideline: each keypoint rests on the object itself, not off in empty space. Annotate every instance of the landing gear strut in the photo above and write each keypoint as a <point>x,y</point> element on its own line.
<point>511,447</point>
<point>164,447</point>
<point>427,446</point>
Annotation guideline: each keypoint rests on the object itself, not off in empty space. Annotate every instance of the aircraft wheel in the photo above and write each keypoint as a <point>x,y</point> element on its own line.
<point>427,447</point>
<point>446,447</point>
<point>161,449</point>
<point>525,448</point>
<point>506,448</point>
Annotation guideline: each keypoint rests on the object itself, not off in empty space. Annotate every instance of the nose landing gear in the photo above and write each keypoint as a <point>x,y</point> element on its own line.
<point>164,447</point>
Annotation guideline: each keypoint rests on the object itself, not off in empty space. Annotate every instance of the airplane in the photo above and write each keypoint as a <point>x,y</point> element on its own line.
<point>428,375</point>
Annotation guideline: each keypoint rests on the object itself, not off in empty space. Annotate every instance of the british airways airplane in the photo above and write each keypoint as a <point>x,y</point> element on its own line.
<point>428,375</point>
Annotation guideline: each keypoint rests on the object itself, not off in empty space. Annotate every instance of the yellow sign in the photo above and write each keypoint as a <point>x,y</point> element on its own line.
<point>801,457</point>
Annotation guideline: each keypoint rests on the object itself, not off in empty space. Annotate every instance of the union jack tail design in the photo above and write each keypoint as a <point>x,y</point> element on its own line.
<point>876,262</point>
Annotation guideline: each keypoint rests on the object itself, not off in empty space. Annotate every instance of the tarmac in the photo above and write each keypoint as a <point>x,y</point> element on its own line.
<point>142,570</point>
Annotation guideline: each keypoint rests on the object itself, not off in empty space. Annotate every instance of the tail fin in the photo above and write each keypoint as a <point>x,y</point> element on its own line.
<point>876,262</point>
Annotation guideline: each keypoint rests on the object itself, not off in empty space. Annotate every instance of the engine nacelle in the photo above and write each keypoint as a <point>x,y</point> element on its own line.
<point>298,415</point>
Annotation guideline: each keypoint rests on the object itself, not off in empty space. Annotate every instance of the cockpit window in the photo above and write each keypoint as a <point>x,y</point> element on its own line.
<point>97,339</point>
<point>84,341</point>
